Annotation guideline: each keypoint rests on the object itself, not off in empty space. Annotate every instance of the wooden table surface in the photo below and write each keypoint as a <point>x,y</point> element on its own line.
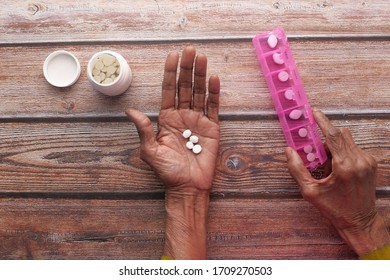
<point>72,185</point>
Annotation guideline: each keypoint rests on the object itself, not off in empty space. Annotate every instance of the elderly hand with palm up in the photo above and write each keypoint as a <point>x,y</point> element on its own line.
<point>187,176</point>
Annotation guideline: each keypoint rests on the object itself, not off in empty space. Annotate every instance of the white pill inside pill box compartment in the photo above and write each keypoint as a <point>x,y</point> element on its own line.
<point>277,58</point>
<point>302,132</point>
<point>311,157</point>
<point>197,149</point>
<point>308,149</point>
<point>289,94</point>
<point>283,76</point>
<point>272,41</point>
<point>295,114</point>
<point>187,133</point>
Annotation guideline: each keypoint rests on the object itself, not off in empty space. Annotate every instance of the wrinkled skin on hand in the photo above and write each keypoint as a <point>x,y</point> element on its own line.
<point>166,152</point>
<point>346,196</point>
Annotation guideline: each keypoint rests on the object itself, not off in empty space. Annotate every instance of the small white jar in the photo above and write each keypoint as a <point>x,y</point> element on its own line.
<point>120,84</point>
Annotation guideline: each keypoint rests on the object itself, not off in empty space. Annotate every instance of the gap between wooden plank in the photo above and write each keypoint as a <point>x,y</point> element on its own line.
<point>275,193</point>
<point>223,116</point>
<point>208,39</point>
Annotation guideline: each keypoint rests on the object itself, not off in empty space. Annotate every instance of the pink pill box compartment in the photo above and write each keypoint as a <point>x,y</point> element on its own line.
<point>289,97</point>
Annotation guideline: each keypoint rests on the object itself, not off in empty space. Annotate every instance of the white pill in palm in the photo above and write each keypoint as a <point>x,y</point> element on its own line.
<point>283,76</point>
<point>197,149</point>
<point>189,145</point>
<point>311,157</point>
<point>187,133</point>
<point>272,41</point>
<point>277,58</point>
<point>302,132</point>
<point>289,94</point>
<point>308,149</point>
<point>194,139</point>
<point>295,114</point>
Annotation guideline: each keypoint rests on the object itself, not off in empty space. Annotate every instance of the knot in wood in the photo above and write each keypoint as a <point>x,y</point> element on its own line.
<point>234,163</point>
<point>34,8</point>
<point>183,21</point>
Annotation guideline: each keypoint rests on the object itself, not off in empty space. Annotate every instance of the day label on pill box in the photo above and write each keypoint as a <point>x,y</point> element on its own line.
<point>289,97</point>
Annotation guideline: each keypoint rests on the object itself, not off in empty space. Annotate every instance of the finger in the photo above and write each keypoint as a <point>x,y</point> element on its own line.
<point>200,83</point>
<point>213,98</point>
<point>296,167</point>
<point>144,128</point>
<point>169,81</point>
<point>185,78</point>
<point>299,172</point>
<point>333,136</point>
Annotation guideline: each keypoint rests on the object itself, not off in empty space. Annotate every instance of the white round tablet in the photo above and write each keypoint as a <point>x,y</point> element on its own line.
<point>187,133</point>
<point>295,114</point>
<point>289,94</point>
<point>197,149</point>
<point>189,145</point>
<point>194,139</point>
<point>61,69</point>
<point>283,76</point>
<point>277,58</point>
<point>308,149</point>
<point>302,132</point>
<point>272,41</point>
<point>311,157</point>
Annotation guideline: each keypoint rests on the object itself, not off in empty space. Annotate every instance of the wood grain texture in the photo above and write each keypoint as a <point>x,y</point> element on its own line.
<point>72,185</point>
<point>134,229</point>
<point>104,158</point>
<point>155,20</point>
<point>340,77</point>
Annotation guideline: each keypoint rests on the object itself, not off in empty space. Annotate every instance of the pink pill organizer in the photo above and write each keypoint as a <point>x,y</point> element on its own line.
<point>289,97</point>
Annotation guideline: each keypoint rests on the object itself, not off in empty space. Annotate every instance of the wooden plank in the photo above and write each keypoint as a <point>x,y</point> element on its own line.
<point>134,229</point>
<point>48,21</point>
<point>103,158</point>
<point>340,77</point>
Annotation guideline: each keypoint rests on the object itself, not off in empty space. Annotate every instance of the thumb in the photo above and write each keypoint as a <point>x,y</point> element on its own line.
<point>298,170</point>
<point>144,128</point>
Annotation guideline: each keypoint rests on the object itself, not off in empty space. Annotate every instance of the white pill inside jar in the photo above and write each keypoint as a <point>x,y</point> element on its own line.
<point>194,139</point>
<point>272,41</point>
<point>277,58</point>
<point>302,132</point>
<point>197,149</point>
<point>190,145</point>
<point>311,157</point>
<point>187,133</point>
<point>295,114</point>
<point>289,94</point>
<point>283,76</point>
<point>308,149</point>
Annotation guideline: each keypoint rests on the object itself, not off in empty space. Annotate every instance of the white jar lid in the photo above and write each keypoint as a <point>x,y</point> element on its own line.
<point>61,69</point>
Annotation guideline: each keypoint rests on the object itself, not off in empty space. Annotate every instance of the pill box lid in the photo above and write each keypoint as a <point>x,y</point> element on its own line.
<point>61,68</point>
